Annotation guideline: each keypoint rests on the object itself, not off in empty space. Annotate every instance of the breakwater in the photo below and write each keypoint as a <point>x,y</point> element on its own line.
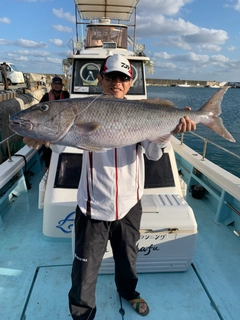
<point>174,82</point>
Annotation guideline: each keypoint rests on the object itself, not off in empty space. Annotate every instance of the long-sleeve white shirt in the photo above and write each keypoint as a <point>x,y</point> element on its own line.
<point>112,182</point>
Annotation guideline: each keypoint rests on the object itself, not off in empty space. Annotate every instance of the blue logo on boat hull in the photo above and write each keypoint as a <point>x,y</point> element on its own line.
<point>66,224</point>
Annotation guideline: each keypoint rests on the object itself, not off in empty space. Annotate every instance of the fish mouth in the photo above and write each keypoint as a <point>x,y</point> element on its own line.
<point>24,124</point>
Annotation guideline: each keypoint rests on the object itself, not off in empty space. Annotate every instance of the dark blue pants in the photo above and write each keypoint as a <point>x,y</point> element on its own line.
<point>91,238</point>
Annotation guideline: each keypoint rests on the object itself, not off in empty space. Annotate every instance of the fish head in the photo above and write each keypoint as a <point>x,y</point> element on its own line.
<point>44,121</point>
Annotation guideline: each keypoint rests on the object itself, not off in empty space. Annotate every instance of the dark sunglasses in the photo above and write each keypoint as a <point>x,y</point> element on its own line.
<point>113,77</point>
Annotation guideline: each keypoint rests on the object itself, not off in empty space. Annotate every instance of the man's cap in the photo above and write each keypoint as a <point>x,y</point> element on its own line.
<point>57,79</point>
<point>116,63</point>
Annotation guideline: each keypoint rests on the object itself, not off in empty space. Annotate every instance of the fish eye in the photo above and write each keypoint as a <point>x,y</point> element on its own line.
<point>44,107</point>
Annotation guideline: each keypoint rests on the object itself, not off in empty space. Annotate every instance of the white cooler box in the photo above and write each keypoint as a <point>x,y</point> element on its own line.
<point>168,236</point>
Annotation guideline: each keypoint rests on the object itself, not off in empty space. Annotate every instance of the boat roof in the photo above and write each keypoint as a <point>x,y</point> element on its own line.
<point>112,9</point>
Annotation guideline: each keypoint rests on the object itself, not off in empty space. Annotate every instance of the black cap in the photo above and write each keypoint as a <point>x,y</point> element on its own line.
<point>57,79</point>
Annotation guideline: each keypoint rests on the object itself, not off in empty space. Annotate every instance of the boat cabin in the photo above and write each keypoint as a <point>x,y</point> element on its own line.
<point>103,38</point>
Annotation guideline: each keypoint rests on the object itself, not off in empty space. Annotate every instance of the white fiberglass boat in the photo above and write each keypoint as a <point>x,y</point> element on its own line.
<point>183,85</point>
<point>214,86</point>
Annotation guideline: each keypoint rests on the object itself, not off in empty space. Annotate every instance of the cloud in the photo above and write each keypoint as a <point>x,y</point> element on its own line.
<point>179,27</point>
<point>219,58</point>
<point>57,42</point>
<point>62,28</point>
<point>17,57</point>
<point>23,43</point>
<point>191,57</point>
<point>190,64</point>
<point>170,7</point>
<point>209,48</point>
<point>5,20</point>
<point>162,55</point>
<point>165,65</point>
<point>232,48</point>
<point>180,33</point>
<point>203,35</point>
<point>33,53</point>
<point>176,33</point>
<point>237,5</point>
<point>175,42</point>
<point>29,44</point>
<point>63,15</point>
<point>4,42</point>
<point>54,60</point>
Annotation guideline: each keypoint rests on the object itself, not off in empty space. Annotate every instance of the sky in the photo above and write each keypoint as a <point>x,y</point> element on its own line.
<point>186,39</point>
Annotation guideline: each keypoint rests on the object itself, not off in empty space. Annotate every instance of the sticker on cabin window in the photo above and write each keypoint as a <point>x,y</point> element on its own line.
<point>81,89</point>
<point>134,74</point>
<point>89,73</point>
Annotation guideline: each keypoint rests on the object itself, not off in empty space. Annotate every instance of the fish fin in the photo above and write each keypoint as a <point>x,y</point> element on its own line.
<point>213,108</point>
<point>163,139</point>
<point>213,105</point>
<point>216,124</point>
<point>86,127</point>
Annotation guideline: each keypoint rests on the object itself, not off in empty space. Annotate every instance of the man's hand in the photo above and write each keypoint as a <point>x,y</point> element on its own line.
<point>185,124</point>
<point>35,144</point>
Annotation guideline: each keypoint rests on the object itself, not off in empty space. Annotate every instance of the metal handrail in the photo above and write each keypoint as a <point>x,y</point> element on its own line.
<point>8,146</point>
<point>205,142</point>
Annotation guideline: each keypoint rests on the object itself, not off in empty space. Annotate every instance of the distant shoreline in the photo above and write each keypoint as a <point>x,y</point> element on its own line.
<point>178,82</point>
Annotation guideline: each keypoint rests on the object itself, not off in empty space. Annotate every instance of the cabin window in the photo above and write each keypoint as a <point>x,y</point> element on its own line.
<point>68,170</point>
<point>158,174</point>
<point>85,79</point>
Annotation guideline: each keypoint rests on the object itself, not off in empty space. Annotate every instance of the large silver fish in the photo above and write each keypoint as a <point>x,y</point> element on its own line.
<point>103,122</point>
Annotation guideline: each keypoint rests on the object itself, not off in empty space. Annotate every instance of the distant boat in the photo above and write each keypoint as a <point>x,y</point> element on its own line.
<point>185,85</point>
<point>214,86</point>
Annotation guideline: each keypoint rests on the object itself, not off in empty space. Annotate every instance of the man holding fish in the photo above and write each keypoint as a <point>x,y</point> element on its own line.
<point>109,205</point>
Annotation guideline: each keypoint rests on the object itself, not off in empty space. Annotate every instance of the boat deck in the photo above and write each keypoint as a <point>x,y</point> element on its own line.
<point>35,272</point>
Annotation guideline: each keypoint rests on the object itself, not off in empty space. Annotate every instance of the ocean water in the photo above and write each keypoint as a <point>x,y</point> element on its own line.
<point>195,98</point>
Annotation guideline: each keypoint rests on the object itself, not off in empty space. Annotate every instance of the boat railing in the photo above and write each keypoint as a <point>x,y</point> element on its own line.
<point>206,142</point>
<point>204,151</point>
<point>8,146</point>
<point>17,165</point>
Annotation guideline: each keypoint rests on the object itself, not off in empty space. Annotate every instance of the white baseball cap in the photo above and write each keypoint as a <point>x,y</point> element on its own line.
<point>116,63</point>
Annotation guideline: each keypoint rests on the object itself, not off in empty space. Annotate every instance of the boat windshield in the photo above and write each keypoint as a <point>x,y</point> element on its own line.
<point>85,72</point>
<point>96,35</point>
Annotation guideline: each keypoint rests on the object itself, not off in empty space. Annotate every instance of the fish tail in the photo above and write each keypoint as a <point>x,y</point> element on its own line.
<point>213,108</point>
